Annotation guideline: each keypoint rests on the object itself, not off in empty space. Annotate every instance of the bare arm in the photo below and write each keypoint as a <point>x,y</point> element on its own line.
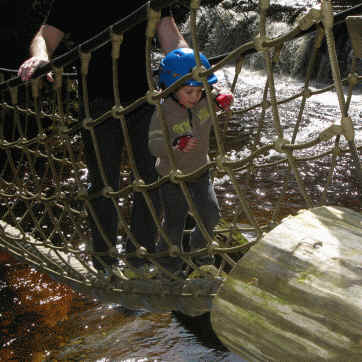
<point>46,41</point>
<point>42,48</point>
<point>169,35</point>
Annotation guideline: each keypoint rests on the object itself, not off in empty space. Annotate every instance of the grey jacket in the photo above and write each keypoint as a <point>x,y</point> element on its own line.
<point>181,121</point>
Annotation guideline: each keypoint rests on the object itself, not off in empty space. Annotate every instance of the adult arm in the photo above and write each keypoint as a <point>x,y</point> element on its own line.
<point>42,48</point>
<point>169,35</point>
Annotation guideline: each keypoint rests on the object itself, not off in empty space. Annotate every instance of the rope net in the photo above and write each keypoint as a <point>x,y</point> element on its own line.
<point>43,185</point>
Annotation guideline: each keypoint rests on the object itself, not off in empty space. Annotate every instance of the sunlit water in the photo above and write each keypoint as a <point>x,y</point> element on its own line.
<point>265,187</point>
<point>48,322</point>
<point>44,321</point>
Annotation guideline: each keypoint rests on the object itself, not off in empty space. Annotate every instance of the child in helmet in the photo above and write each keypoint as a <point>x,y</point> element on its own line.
<point>189,123</point>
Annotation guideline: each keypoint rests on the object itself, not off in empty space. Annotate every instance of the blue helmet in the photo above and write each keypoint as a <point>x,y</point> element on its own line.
<point>179,62</point>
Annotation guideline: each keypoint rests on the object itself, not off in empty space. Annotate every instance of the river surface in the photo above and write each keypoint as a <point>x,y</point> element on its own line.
<point>44,321</point>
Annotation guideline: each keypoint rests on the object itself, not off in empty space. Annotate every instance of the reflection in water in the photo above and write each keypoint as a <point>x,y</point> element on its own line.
<point>45,321</point>
<point>162,337</point>
<point>31,307</point>
<point>42,320</point>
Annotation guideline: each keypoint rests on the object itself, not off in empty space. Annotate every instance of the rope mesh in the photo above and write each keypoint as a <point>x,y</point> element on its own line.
<point>43,184</point>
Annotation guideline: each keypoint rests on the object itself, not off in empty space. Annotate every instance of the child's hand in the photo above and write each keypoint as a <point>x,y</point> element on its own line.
<point>191,144</point>
<point>185,143</point>
<point>224,101</point>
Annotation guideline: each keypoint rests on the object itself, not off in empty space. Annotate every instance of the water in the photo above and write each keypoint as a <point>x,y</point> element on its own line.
<point>43,321</point>
<point>321,111</point>
<point>163,337</point>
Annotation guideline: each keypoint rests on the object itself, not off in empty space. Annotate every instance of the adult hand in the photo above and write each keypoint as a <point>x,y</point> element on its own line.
<point>224,101</point>
<point>27,69</point>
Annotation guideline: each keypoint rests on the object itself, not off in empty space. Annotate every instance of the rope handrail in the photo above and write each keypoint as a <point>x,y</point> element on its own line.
<point>99,40</point>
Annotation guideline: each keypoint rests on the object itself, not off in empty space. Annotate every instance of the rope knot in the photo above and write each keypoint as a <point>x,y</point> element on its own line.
<point>141,252</point>
<point>106,191</point>
<point>117,111</point>
<point>330,132</point>
<point>173,251</point>
<point>85,59</point>
<point>87,123</point>
<point>197,70</point>
<point>139,185</point>
<point>82,194</point>
<point>347,127</point>
<point>353,79</point>
<point>23,141</point>
<point>220,162</point>
<point>3,143</point>
<point>117,40</point>
<point>174,176</point>
<point>213,246</point>
<point>307,93</point>
<point>309,19</point>
<point>279,144</point>
<point>41,137</point>
<point>153,97</point>
<point>259,43</point>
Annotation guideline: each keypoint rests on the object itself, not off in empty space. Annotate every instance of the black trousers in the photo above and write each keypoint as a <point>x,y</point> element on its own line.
<point>110,141</point>
<point>176,208</point>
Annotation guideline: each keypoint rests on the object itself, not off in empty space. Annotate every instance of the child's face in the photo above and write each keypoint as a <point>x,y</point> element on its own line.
<point>189,96</point>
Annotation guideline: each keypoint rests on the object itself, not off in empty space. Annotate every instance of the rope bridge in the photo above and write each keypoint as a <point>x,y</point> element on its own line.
<point>43,185</point>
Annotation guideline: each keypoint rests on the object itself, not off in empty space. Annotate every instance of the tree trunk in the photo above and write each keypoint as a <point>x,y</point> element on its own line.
<point>297,294</point>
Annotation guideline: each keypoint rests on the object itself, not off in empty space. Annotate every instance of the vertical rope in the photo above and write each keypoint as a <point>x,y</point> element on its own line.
<point>328,22</point>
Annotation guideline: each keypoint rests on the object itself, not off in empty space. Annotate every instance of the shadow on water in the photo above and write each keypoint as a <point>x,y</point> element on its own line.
<point>200,327</point>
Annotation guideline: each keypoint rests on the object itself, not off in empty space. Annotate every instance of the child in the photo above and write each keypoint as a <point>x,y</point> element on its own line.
<point>189,123</point>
